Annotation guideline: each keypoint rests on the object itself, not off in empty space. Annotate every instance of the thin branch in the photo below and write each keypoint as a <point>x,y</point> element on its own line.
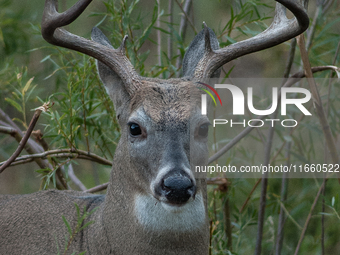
<point>8,130</point>
<point>25,138</point>
<point>39,137</point>
<point>323,220</point>
<point>227,220</point>
<point>329,83</point>
<point>326,5</point>
<point>311,30</point>
<point>97,188</point>
<point>62,153</point>
<point>31,146</point>
<point>34,146</point>
<point>185,18</point>
<point>309,217</point>
<point>262,211</point>
<point>75,179</point>
<point>170,21</point>
<point>183,27</point>
<point>263,197</point>
<point>250,194</point>
<point>8,120</point>
<point>317,102</point>
<point>284,189</point>
<point>326,155</point>
<point>290,61</point>
<point>159,38</point>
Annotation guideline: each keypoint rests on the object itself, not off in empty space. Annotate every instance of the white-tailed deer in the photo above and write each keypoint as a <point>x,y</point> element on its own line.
<point>154,203</point>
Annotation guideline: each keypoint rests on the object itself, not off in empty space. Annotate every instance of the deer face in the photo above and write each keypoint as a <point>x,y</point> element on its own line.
<point>167,136</point>
<point>164,135</point>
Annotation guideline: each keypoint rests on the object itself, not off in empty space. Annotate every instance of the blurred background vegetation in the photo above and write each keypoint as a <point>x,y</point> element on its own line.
<point>83,118</point>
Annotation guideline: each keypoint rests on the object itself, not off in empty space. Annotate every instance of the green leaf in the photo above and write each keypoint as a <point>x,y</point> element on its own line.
<point>86,225</point>
<point>14,104</point>
<point>28,84</point>
<point>67,225</point>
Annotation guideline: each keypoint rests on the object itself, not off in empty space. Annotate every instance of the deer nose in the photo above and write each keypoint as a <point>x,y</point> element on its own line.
<point>177,187</point>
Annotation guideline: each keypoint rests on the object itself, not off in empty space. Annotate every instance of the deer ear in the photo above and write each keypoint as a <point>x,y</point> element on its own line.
<point>196,51</point>
<point>112,82</point>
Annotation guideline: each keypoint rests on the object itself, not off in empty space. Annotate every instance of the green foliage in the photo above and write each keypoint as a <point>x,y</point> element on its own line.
<point>13,32</point>
<point>79,227</point>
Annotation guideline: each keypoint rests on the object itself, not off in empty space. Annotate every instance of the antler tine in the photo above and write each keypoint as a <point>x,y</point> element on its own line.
<point>281,30</point>
<point>114,58</point>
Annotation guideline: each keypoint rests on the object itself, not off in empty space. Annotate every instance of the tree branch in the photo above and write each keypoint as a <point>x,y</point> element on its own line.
<point>317,102</point>
<point>75,179</point>
<point>25,138</point>
<point>62,153</point>
<point>183,26</point>
<point>309,217</point>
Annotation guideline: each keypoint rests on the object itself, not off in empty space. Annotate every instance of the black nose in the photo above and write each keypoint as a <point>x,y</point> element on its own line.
<point>177,187</point>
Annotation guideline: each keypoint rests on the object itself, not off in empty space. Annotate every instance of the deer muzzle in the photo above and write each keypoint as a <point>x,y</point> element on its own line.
<point>176,187</point>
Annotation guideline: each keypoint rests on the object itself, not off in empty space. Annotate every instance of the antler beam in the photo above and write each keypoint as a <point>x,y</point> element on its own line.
<point>52,32</point>
<point>281,30</point>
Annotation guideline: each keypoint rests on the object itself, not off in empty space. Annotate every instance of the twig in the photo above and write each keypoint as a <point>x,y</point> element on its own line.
<point>263,198</point>
<point>317,102</point>
<point>284,188</point>
<point>97,188</point>
<point>227,220</point>
<point>31,146</point>
<point>62,153</point>
<point>309,217</point>
<point>183,27</point>
<point>185,11</point>
<point>170,20</point>
<point>75,179</point>
<point>329,83</point>
<point>311,30</point>
<point>159,39</point>
<point>39,137</point>
<point>25,138</point>
<point>323,220</point>
<point>326,156</point>
<point>326,5</point>
<point>250,194</point>
<point>262,211</point>
<point>8,130</point>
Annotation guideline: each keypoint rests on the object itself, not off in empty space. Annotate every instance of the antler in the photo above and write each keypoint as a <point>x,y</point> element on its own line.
<point>115,59</point>
<point>281,30</point>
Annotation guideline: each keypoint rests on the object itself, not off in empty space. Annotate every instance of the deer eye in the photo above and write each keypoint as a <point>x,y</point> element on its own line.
<point>203,130</point>
<point>135,129</point>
